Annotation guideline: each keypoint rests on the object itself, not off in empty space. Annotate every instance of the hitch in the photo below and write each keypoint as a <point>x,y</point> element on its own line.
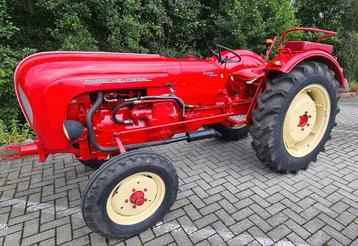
<point>16,151</point>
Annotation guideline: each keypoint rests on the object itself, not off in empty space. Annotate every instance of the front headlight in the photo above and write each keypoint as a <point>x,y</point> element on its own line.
<point>27,110</point>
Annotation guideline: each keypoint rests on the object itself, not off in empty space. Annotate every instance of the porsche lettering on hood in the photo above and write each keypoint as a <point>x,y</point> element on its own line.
<point>113,81</point>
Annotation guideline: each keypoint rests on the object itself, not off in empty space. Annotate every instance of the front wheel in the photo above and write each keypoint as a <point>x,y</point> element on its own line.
<point>129,193</point>
<point>295,116</point>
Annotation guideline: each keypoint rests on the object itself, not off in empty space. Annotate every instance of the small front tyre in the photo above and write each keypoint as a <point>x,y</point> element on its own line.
<point>129,193</point>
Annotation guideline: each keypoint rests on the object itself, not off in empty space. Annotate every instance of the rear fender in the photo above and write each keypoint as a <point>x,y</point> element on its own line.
<point>286,61</point>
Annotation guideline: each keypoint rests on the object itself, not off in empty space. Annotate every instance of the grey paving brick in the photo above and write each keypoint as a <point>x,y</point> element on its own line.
<point>202,234</point>
<point>216,240</point>
<point>63,233</point>
<point>162,240</point>
<point>84,240</point>
<point>134,241</point>
<point>279,232</point>
<point>180,237</point>
<point>31,227</point>
<point>241,226</point>
<point>48,242</point>
<point>146,235</point>
<point>173,215</point>
<point>164,228</point>
<point>298,229</point>
<point>351,231</point>
<point>13,238</point>
<point>222,230</point>
<point>319,238</point>
<point>38,237</point>
<point>336,235</point>
<point>226,196</point>
<point>206,220</point>
<point>225,217</point>
<point>314,225</point>
<point>192,212</point>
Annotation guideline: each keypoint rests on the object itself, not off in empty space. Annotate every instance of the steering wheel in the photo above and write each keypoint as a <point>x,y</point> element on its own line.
<point>225,59</point>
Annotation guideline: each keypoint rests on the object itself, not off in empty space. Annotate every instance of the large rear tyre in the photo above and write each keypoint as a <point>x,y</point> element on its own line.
<point>129,193</point>
<point>231,133</point>
<point>295,116</point>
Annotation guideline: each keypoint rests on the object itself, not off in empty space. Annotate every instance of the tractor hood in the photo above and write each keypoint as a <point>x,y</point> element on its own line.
<point>46,83</point>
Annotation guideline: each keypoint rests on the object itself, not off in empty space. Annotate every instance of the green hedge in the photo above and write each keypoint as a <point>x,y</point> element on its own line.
<point>169,27</point>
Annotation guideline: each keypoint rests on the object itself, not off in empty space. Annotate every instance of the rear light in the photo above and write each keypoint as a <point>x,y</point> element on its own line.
<point>276,63</point>
<point>26,107</point>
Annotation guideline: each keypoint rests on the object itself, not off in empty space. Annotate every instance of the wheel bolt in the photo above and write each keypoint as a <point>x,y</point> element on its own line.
<point>145,189</point>
<point>302,129</point>
<point>308,124</point>
<point>134,206</point>
<point>126,200</point>
<point>145,199</point>
<point>309,116</point>
<point>133,190</point>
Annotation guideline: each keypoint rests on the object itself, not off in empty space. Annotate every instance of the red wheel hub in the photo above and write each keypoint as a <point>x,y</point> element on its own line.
<point>137,198</point>
<point>303,120</point>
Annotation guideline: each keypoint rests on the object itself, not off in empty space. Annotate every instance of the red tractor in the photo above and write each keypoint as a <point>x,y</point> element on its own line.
<point>98,106</point>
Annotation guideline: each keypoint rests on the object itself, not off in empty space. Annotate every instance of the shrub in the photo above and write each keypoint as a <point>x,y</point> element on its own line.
<point>15,132</point>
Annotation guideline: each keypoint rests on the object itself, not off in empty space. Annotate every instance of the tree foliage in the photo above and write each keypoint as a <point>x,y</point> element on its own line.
<point>339,15</point>
<point>170,27</point>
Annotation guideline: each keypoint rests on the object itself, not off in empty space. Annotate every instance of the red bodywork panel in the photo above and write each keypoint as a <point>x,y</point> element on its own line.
<point>56,83</point>
<point>295,46</point>
<point>292,53</point>
<point>57,86</point>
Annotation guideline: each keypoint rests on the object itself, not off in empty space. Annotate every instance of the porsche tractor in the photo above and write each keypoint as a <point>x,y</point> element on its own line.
<point>105,107</point>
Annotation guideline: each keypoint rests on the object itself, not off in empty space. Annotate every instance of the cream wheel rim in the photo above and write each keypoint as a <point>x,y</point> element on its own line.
<point>306,120</point>
<point>135,198</point>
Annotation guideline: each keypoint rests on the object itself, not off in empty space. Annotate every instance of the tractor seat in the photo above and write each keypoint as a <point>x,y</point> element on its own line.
<point>249,74</point>
<point>191,57</point>
<point>306,45</point>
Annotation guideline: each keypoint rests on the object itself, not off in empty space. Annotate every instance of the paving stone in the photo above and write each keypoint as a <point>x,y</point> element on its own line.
<point>279,232</point>
<point>319,238</point>
<point>162,240</point>
<point>206,220</point>
<point>146,235</point>
<point>241,226</point>
<point>38,237</point>
<point>351,231</point>
<point>164,228</point>
<point>314,225</point>
<point>226,196</point>
<point>180,237</point>
<point>134,241</point>
<point>202,234</point>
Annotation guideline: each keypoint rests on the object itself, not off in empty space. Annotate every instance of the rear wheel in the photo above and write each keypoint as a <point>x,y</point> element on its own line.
<point>129,194</point>
<point>295,116</point>
<point>231,133</point>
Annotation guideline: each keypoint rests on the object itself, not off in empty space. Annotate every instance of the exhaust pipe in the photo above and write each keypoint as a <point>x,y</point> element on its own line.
<point>189,137</point>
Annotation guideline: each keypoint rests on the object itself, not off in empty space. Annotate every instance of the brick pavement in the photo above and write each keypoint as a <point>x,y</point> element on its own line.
<point>226,196</point>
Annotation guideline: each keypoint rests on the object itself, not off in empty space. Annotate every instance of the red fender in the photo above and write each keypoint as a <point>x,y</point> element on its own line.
<point>287,60</point>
